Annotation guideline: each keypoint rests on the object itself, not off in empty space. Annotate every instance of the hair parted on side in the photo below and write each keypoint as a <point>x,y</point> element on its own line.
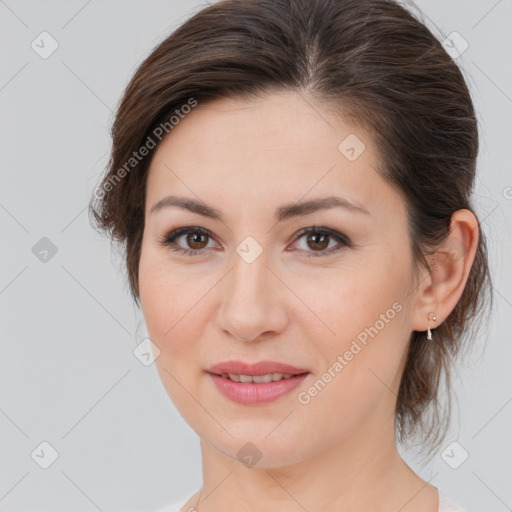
<point>384,71</point>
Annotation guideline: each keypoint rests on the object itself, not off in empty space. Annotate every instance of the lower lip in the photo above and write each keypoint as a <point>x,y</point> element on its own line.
<point>250,393</point>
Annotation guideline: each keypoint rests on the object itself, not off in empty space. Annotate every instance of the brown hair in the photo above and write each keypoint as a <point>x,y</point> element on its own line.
<point>386,72</point>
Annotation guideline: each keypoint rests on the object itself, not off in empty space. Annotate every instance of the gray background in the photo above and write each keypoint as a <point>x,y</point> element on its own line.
<point>68,375</point>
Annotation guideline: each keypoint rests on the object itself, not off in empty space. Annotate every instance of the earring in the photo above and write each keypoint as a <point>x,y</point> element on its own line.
<point>429,332</point>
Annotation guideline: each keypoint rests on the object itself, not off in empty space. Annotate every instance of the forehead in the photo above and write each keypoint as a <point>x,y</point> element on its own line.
<point>279,146</point>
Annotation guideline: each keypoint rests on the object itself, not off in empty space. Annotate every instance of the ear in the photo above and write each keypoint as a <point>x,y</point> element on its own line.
<point>441,287</point>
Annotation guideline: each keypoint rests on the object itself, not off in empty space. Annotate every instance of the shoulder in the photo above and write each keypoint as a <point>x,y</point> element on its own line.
<point>447,505</point>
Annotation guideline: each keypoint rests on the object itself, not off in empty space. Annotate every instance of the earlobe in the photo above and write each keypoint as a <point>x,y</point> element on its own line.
<point>451,264</point>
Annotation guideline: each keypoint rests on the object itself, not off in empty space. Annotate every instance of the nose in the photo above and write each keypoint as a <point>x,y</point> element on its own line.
<point>254,302</point>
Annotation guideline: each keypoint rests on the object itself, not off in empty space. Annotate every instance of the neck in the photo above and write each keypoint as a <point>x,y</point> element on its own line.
<point>364,472</point>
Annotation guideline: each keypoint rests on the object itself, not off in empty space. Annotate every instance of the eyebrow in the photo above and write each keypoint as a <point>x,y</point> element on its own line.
<point>283,213</point>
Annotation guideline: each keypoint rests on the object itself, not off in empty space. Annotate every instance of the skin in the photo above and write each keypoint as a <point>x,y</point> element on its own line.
<point>247,158</point>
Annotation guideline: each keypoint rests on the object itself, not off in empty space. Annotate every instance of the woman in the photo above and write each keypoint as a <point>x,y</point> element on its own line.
<point>291,182</point>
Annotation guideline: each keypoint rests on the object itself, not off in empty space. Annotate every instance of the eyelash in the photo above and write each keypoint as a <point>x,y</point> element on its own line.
<point>343,240</point>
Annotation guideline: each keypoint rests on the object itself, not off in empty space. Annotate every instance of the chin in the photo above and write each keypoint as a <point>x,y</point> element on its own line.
<point>255,452</point>
<point>251,446</point>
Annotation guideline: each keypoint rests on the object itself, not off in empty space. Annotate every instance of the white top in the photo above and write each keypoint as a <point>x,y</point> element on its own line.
<point>445,505</point>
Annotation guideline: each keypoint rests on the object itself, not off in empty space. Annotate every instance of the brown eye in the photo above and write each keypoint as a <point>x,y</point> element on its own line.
<point>318,240</point>
<point>195,240</point>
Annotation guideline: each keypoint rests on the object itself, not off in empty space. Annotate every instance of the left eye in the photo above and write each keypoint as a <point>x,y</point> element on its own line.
<point>318,238</point>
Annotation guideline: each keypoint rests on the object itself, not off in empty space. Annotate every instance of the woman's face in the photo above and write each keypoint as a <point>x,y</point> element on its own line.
<point>338,309</point>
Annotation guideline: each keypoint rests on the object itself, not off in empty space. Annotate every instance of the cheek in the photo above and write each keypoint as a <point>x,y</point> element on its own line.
<point>349,299</point>
<point>362,360</point>
<point>173,315</point>
<point>367,319</point>
<point>172,306</point>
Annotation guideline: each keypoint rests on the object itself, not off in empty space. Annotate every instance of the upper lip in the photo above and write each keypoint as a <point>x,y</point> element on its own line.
<point>259,368</point>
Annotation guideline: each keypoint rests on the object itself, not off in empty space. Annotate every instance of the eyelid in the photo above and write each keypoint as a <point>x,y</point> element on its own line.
<point>323,230</point>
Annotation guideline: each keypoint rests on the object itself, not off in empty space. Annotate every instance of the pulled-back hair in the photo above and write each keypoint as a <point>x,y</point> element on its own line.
<point>384,71</point>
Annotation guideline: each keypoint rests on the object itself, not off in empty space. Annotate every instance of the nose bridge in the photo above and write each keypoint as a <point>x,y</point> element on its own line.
<point>251,302</point>
<point>250,275</point>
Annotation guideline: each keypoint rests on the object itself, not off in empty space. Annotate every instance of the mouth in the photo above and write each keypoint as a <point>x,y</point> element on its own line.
<point>258,383</point>
<point>258,379</point>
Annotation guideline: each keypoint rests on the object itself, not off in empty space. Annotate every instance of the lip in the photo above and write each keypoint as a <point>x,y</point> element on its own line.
<point>252,393</point>
<point>259,368</point>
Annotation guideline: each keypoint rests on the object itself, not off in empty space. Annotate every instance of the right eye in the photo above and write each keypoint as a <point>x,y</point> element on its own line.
<point>195,238</point>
